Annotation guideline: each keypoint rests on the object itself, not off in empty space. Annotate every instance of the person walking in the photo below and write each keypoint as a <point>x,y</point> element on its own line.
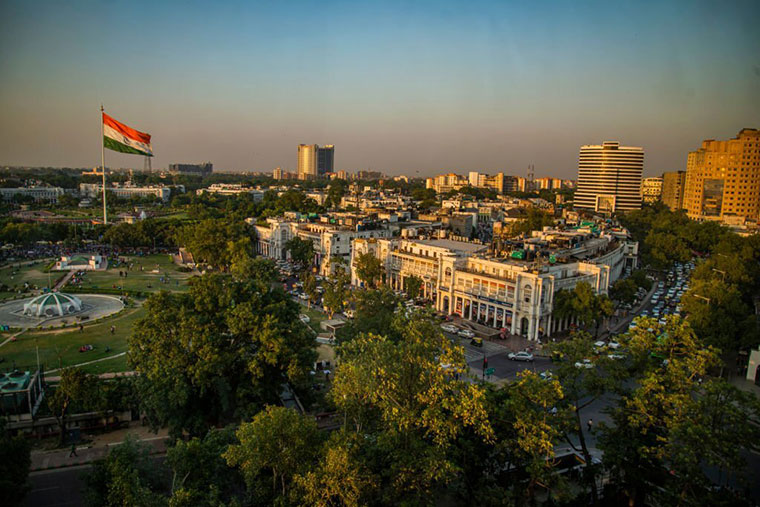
<point>113,329</point>
<point>590,424</point>
<point>73,451</point>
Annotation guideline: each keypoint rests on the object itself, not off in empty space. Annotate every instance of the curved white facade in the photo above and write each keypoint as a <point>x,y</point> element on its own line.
<point>52,304</point>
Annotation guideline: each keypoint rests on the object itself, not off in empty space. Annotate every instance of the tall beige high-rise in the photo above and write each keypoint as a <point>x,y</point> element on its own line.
<point>307,161</point>
<point>673,184</point>
<point>723,179</point>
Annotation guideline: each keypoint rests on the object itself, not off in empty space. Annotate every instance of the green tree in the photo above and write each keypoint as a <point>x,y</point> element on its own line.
<point>581,388</point>
<point>624,290</point>
<point>530,404</point>
<point>412,286</point>
<point>375,313</point>
<point>369,269</point>
<point>340,478</point>
<point>216,242</point>
<point>128,476</point>
<point>274,447</point>
<point>198,465</point>
<point>336,293</point>
<point>656,410</point>
<point>76,389</point>
<point>15,461</point>
<point>719,316</point>
<point>301,252</point>
<point>310,287</point>
<point>409,395</point>
<point>584,304</point>
<point>218,352</point>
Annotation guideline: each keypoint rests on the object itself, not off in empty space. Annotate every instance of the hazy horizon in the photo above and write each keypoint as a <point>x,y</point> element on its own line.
<point>414,89</point>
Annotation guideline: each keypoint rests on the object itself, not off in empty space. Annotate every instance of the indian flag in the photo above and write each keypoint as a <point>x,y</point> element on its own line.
<point>119,137</point>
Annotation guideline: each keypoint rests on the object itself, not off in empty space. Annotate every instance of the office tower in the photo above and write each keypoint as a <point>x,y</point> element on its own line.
<point>673,184</point>
<point>277,173</point>
<point>307,161</point>
<point>325,159</point>
<point>203,169</point>
<point>723,179</point>
<point>609,177</point>
<point>474,179</point>
<point>651,189</point>
<point>315,161</point>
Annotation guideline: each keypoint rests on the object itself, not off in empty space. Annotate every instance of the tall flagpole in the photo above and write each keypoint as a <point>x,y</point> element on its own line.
<point>103,164</point>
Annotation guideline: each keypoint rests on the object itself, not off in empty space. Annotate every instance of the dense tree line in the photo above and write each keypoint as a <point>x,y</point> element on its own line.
<point>721,299</point>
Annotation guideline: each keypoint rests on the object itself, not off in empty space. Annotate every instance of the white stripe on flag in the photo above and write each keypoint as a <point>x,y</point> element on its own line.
<point>117,136</point>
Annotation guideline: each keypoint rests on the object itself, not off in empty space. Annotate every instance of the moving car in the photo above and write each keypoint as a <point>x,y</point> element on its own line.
<point>520,356</point>
<point>450,328</point>
<point>466,333</point>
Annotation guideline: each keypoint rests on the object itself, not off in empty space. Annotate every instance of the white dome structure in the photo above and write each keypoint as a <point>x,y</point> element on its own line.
<point>52,304</point>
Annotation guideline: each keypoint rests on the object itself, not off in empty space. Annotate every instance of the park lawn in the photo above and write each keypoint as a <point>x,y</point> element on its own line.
<point>315,317</point>
<point>137,280</point>
<point>114,365</point>
<point>32,272</point>
<point>61,347</point>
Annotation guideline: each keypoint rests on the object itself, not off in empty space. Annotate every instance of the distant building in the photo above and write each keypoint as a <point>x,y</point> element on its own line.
<point>315,161</point>
<point>443,183</point>
<point>651,189</point>
<point>673,185</point>
<point>723,179</point>
<point>232,189</point>
<point>609,177</point>
<point>92,190</point>
<point>277,173</point>
<point>325,159</point>
<point>203,169</point>
<point>39,194</point>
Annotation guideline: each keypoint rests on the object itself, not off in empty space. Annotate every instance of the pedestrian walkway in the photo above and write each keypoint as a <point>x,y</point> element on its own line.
<point>98,448</point>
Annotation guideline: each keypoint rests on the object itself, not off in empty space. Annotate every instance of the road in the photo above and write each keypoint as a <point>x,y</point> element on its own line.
<point>57,488</point>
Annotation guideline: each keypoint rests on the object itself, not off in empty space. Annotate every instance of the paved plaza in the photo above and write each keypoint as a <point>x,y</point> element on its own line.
<point>94,307</point>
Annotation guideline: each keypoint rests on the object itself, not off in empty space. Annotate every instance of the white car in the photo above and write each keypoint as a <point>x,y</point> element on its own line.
<point>449,328</point>
<point>613,345</point>
<point>349,313</point>
<point>304,296</point>
<point>586,363</point>
<point>466,333</point>
<point>616,356</point>
<point>600,344</point>
<point>304,318</point>
<point>520,356</point>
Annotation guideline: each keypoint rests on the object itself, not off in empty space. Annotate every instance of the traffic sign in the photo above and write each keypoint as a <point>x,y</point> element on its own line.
<point>490,371</point>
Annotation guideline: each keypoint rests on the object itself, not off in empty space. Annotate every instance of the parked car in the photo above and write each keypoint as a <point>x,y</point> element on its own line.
<point>586,363</point>
<point>304,296</point>
<point>450,328</point>
<point>466,333</point>
<point>520,356</point>
<point>304,318</point>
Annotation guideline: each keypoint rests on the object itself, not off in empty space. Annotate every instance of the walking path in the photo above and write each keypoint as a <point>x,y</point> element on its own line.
<point>98,448</point>
<point>64,280</point>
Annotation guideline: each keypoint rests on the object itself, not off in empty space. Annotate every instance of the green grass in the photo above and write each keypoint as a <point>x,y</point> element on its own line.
<point>34,275</point>
<point>315,318</point>
<point>136,280</point>
<point>64,345</point>
<point>117,364</point>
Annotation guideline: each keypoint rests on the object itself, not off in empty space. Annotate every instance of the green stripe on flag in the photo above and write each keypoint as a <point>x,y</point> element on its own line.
<point>123,148</point>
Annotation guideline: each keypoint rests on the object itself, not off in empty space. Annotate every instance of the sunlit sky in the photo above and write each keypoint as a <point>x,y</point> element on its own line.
<point>401,87</point>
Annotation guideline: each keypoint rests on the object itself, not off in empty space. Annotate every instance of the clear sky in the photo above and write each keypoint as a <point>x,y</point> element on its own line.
<point>401,87</point>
